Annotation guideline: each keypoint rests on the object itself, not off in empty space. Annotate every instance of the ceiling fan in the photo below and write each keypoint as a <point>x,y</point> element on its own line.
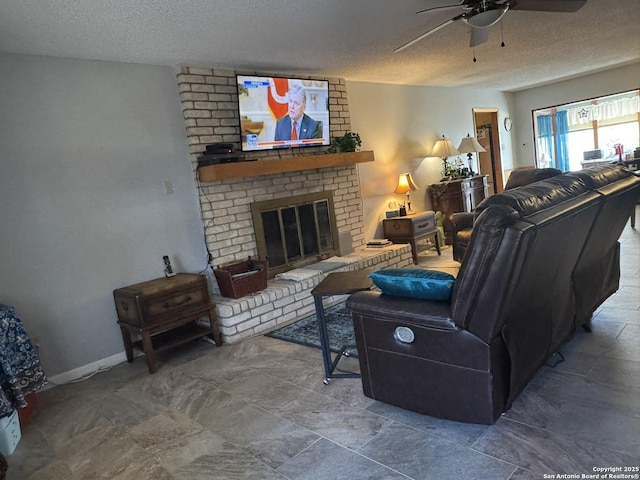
<point>482,14</point>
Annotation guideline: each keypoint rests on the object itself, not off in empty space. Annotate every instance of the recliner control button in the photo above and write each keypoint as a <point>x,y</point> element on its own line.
<point>404,334</point>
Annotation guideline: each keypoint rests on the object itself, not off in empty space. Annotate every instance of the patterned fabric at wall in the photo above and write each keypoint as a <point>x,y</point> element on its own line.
<point>20,371</point>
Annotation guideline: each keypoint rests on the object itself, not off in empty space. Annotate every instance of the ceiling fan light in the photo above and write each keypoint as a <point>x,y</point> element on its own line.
<point>487,18</point>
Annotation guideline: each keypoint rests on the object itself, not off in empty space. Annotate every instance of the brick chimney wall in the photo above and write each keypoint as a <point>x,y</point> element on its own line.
<point>210,107</point>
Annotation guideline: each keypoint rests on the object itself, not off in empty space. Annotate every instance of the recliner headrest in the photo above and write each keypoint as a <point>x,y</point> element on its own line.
<point>525,176</point>
<point>537,196</point>
<point>596,177</point>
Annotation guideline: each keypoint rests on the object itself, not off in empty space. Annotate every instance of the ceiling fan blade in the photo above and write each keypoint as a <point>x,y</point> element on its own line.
<point>445,7</point>
<point>478,36</point>
<point>426,34</point>
<point>547,5</point>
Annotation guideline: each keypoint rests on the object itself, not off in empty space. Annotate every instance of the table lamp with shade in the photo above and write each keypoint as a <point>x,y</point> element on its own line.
<point>470,145</point>
<point>406,185</point>
<point>443,149</point>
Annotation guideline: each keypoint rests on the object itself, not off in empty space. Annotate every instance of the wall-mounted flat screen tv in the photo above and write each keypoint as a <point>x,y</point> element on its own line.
<point>282,112</point>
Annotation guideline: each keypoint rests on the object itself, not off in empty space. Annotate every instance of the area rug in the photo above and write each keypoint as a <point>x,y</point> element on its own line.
<point>305,331</point>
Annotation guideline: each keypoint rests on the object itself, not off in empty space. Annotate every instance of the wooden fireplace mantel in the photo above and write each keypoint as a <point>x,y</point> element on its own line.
<point>256,168</point>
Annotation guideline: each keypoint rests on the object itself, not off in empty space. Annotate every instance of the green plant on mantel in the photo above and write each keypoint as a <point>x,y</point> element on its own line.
<point>349,142</point>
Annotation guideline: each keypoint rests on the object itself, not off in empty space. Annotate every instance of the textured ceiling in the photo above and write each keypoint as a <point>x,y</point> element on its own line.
<point>353,39</point>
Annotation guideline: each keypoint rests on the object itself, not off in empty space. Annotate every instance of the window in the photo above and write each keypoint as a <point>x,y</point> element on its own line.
<point>579,142</point>
<point>573,136</point>
<point>619,133</point>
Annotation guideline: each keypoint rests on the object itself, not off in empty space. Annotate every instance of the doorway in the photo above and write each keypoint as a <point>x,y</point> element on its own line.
<point>485,121</point>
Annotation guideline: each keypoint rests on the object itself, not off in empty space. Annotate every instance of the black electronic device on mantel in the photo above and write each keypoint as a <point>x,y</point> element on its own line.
<point>217,153</point>
<point>218,148</point>
<point>268,106</point>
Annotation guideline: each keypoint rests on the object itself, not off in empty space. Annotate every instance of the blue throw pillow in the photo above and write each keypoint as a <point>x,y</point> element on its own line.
<point>415,283</point>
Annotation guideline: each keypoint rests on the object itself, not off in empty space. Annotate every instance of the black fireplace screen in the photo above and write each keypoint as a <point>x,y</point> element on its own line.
<point>295,231</point>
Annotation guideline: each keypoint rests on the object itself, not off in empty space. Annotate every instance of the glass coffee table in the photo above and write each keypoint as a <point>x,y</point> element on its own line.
<point>337,283</point>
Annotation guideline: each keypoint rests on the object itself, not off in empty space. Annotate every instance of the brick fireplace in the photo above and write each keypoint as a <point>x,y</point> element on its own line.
<point>209,104</point>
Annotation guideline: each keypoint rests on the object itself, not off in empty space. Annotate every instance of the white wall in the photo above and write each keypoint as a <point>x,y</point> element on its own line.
<point>582,88</point>
<point>401,124</point>
<point>85,148</point>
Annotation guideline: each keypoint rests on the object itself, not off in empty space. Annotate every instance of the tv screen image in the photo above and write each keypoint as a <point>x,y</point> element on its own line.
<point>282,112</point>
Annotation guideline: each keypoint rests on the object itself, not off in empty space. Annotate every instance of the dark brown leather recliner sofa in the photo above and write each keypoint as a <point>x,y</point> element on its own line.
<point>541,259</point>
<point>462,222</point>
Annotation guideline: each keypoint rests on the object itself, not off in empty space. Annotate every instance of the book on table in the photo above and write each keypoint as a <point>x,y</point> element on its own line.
<point>379,242</point>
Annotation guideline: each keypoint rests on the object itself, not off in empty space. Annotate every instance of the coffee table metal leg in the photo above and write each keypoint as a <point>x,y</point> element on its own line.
<point>324,338</point>
<point>329,364</point>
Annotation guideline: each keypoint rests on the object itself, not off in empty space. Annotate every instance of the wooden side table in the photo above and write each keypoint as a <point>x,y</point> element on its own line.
<point>411,229</point>
<point>458,195</point>
<point>165,312</point>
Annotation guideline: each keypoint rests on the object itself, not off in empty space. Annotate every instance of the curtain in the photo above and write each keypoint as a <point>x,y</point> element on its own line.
<point>545,134</point>
<point>562,140</point>
<point>606,110</point>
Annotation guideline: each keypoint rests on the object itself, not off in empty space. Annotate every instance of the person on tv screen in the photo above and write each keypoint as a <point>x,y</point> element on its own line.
<point>297,125</point>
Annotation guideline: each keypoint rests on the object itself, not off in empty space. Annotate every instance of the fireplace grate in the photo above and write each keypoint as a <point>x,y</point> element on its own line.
<point>295,231</point>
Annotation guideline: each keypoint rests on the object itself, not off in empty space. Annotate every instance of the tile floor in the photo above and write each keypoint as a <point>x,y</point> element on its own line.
<point>258,410</point>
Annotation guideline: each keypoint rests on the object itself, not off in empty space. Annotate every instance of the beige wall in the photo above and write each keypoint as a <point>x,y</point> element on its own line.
<point>401,124</point>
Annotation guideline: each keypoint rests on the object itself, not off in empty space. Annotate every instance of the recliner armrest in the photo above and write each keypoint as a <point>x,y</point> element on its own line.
<point>462,220</point>
<point>462,226</point>
<point>410,311</point>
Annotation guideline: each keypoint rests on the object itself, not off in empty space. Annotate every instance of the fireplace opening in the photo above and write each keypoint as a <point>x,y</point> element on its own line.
<point>295,231</point>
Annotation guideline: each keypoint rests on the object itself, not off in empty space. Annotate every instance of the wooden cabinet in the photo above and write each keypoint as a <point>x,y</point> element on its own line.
<point>459,195</point>
<point>411,229</point>
<point>165,312</point>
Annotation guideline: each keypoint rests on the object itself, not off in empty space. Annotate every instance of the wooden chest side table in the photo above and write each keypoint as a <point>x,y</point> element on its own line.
<point>411,229</point>
<point>458,195</point>
<point>165,312</point>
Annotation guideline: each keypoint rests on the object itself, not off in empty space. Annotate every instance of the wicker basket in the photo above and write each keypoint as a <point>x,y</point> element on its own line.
<point>239,279</point>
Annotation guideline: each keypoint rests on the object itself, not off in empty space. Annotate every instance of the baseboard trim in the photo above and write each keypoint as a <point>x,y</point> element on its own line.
<point>84,370</point>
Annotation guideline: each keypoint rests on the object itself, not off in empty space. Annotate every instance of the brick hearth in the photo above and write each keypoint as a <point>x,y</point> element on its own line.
<point>285,301</point>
